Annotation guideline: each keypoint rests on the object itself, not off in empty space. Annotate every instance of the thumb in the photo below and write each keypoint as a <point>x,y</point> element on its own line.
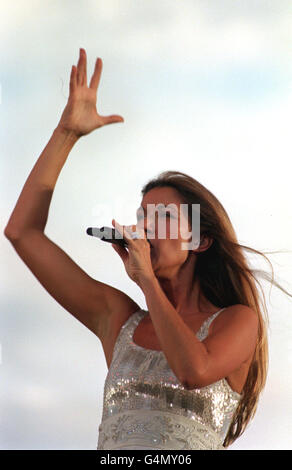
<point>112,119</point>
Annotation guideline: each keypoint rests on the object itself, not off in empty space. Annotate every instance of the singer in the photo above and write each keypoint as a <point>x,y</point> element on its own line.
<point>187,372</point>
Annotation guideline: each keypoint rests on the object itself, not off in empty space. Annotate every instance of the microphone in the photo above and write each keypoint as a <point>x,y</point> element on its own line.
<point>107,234</point>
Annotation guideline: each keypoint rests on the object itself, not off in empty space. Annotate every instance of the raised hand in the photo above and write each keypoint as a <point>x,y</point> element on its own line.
<point>80,115</point>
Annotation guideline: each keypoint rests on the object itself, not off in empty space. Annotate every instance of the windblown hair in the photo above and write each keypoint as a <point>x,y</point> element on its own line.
<point>226,279</point>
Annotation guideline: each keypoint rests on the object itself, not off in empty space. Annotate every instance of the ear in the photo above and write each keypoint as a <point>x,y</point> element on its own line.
<point>205,243</point>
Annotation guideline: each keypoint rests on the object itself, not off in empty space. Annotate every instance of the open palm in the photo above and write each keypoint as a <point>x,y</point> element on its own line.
<point>80,115</point>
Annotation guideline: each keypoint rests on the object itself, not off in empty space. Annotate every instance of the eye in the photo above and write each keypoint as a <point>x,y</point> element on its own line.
<point>140,216</point>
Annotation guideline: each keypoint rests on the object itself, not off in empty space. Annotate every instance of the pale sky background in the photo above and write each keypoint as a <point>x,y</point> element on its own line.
<point>204,88</point>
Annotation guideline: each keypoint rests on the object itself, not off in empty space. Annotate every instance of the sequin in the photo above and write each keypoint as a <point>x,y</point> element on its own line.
<point>144,404</point>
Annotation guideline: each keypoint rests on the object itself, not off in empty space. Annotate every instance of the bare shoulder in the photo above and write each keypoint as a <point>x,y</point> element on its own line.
<point>231,344</point>
<point>236,318</point>
<point>239,320</point>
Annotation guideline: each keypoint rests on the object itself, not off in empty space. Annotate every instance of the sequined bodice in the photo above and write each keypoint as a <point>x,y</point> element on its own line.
<point>144,404</point>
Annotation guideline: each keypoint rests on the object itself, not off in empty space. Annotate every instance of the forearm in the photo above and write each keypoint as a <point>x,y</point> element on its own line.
<point>32,207</point>
<point>186,355</point>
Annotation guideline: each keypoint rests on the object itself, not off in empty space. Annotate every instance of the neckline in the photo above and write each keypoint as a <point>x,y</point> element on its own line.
<point>156,351</point>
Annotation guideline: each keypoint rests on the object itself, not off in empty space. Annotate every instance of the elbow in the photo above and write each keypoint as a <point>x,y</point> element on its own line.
<point>192,384</point>
<point>186,384</point>
<point>8,232</point>
<point>195,379</point>
<point>16,235</point>
<point>11,233</point>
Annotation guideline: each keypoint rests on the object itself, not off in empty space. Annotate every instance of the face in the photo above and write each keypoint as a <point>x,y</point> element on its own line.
<point>167,254</point>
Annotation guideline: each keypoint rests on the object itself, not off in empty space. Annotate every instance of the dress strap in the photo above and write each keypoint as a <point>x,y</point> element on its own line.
<point>126,331</point>
<point>204,330</point>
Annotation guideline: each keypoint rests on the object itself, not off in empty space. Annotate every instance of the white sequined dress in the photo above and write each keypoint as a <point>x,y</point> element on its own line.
<point>145,406</point>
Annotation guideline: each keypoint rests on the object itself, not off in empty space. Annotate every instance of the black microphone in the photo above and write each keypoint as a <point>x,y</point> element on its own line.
<point>107,234</point>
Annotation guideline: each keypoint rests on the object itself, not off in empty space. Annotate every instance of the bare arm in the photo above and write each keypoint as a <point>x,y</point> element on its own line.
<point>200,363</point>
<point>90,301</point>
<point>79,118</point>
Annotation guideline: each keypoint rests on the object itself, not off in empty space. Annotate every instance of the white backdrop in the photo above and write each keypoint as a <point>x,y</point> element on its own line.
<point>204,88</point>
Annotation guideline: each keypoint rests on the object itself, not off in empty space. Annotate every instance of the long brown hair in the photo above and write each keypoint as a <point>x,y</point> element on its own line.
<point>226,279</point>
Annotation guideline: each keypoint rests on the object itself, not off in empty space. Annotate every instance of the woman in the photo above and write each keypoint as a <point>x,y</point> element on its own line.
<point>186,373</point>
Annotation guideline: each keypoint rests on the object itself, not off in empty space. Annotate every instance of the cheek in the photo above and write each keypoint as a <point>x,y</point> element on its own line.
<point>185,230</point>
<point>179,230</point>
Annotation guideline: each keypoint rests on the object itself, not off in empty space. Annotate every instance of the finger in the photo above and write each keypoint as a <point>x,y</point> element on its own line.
<point>84,68</point>
<point>140,230</point>
<point>137,230</point>
<point>81,68</point>
<point>130,230</point>
<point>73,79</point>
<point>118,227</point>
<point>123,231</point>
<point>94,82</point>
<point>112,119</point>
